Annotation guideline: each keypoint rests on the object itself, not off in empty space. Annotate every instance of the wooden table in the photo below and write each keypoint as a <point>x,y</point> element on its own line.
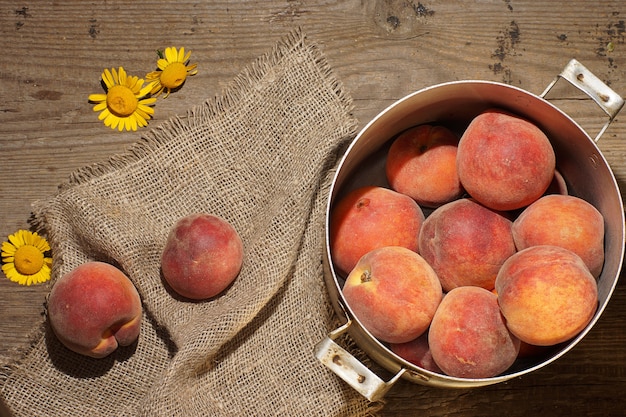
<point>54,52</point>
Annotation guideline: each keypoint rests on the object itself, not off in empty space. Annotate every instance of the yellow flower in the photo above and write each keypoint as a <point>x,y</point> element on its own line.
<point>173,71</point>
<point>24,260</point>
<point>123,106</point>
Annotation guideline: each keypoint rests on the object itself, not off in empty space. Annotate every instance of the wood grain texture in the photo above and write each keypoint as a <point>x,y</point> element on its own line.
<point>54,53</point>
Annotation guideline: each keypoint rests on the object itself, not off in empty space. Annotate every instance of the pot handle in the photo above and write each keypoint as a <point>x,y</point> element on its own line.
<point>583,79</point>
<point>350,369</point>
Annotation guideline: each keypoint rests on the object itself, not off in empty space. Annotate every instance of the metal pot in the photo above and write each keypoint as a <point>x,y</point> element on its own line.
<point>579,160</point>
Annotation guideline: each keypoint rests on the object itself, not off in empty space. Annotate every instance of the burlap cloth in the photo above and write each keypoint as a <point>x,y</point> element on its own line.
<point>261,156</point>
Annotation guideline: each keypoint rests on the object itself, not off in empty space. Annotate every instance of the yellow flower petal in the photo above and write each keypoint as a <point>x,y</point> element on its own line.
<point>44,274</point>
<point>100,106</point>
<point>115,121</point>
<point>143,114</point>
<point>42,244</point>
<point>105,113</point>
<point>157,89</point>
<point>107,77</point>
<point>162,63</point>
<point>121,76</point>
<point>16,239</point>
<point>147,101</point>
<point>140,119</point>
<point>145,91</point>
<point>97,97</point>
<point>8,249</point>
<point>131,123</point>
<point>111,120</point>
<point>115,76</point>
<point>131,81</point>
<point>12,274</point>
<point>29,238</point>
<point>154,75</point>
<point>170,54</point>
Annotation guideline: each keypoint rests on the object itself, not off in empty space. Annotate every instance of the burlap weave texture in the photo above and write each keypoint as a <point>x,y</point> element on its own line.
<point>261,156</point>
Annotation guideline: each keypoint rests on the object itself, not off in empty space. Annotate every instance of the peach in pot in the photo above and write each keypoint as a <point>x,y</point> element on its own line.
<point>547,294</point>
<point>95,308</point>
<point>504,161</point>
<point>566,221</point>
<point>202,256</point>
<point>468,336</point>
<point>416,351</point>
<point>558,185</point>
<point>421,163</point>
<point>466,243</point>
<point>372,217</point>
<point>394,293</point>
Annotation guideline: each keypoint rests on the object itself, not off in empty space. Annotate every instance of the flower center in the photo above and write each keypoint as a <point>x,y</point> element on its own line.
<point>121,100</point>
<point>28,260</point>
<point>174,75</point>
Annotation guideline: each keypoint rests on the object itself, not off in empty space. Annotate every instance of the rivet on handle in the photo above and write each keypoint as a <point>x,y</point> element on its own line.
<point>583,79</point>
<point>350,369</point>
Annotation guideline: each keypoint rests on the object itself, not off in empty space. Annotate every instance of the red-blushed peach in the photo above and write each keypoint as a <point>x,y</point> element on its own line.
<point>504,162</point>
<point>394,293</point>
<point>466,243</point>
<point>421,163</point>
<point>416,352</point>
<point>566,221</point>
<point>547,294</point>
<point>371,217</point>
<point>468,336</point>
<point>94,308</point>
<point>202,256</point>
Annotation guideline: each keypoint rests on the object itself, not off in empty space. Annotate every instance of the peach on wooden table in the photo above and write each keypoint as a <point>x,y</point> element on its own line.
<point>371,217</point>
<point>504,161</point>
<point>468,336</point>
<point>394,293</point>
<point>95,308</point>
<point>547,294</point>
<point>202,256</point>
